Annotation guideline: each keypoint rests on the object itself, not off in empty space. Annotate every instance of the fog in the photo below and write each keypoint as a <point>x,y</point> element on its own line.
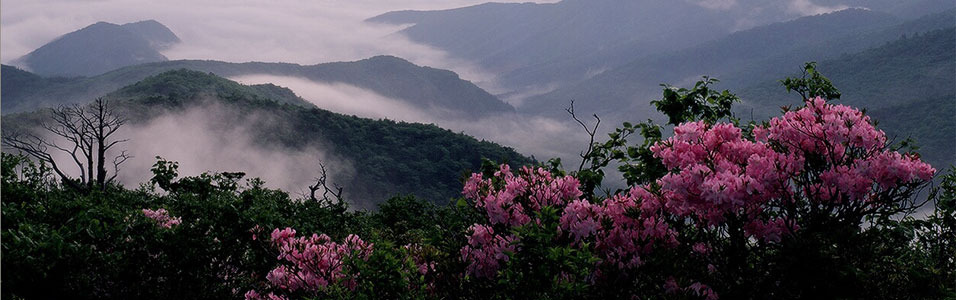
<point>540,136</point>
<point>295,31</point>
<point>213,138</point>
<point>303,32</point>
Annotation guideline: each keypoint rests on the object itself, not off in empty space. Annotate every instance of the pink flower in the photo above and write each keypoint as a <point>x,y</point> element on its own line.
<point>311,263</point>
<point>162,217</point>
<point>486,251</point>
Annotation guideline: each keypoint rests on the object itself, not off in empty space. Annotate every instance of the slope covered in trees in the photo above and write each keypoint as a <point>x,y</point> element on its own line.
<point>517,40</point>
<point>909,75</point>
<point>99,48</point>
<point>740,59</point>
<point>813,204</point>
<point>389,157</point>
<point>536,47</point>
<point>389,76</point>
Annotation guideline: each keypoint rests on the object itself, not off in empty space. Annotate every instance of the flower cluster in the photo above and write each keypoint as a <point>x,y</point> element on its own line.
<point>510,199</point>
<point>624,227</point>
<point>486,251</point>
<point>162,217</point>
<point>313,262</point>
<point>717,173</point>
<point>718,177</point>
<point>857,165</point>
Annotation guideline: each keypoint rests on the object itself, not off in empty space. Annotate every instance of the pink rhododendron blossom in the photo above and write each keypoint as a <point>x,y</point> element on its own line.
<point>821,155</point>
<point>415,253</point>
<point>162,217</point>
<point>486,251</point>
<point>716,173</point>
<point>510,199</point>
<point>580,219</point>
<point>311,263</point>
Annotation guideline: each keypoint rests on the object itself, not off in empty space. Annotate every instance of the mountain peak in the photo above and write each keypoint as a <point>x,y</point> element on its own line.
<point>100,47</point>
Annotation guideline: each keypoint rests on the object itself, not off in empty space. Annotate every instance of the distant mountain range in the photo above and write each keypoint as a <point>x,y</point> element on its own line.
<point>389,158</point>
<point>742,59</point>
<point>389,76</point>
<point>99,48</point>
<point>539,47</point>
<point>908,86</point>
<point>516,40</point>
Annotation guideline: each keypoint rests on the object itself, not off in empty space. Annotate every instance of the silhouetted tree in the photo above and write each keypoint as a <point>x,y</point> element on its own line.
<point>86,134</point>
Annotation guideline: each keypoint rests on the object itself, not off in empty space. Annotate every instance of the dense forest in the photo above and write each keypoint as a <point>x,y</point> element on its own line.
<point>389,158</point>
<point>816,203</point>
<point>705,150</point>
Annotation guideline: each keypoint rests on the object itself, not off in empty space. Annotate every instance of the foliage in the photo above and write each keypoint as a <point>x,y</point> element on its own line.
<point>812,204</point>
<point>812,84</point>
<point>388,157</point>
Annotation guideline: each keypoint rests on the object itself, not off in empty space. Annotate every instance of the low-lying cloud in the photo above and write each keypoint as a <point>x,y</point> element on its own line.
<point>213,138</point>
<point>540,136</point>
<point>295,31</point>
<point>343,98</point>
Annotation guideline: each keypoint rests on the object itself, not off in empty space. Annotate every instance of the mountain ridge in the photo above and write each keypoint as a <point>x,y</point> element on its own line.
<point>389,76</point>
<point>99,48</point>
<point>389,158</point>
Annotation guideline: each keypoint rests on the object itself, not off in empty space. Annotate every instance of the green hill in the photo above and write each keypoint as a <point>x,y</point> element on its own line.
<point>388,157</point>
<point>389,76</point>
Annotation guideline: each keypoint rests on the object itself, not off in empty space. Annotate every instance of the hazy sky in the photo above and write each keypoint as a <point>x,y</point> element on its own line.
<point>297,31</point>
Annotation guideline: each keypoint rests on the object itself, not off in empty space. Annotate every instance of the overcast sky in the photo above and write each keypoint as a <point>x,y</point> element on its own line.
<point>297,31</point>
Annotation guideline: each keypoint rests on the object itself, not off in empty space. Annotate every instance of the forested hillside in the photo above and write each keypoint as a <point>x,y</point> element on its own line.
<point>804,206</point>
<point>894,81</point>
<point>740,59</point>
<point>389,76</point>
<point>389,158</point>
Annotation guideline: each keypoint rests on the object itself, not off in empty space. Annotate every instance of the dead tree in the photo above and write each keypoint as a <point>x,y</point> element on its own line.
<point>85,134</point>
<point>331,196</point>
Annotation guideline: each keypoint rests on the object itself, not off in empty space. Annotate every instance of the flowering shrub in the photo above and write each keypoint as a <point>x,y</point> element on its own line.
<point>717,210</point>
<point>162,217</point>
<point>827,154</point>
<point>509,200</point>
<point>313,263</point>
<point>759,187</point>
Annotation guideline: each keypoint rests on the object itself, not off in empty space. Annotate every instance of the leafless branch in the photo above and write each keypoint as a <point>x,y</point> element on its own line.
<point>591,131</point>
<point>88,134</point>
<point>330,195</point>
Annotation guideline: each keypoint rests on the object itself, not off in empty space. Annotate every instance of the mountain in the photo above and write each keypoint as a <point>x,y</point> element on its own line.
<point>388,158</point>
<point>908,85</point>
<point>157,34</point>
<point>537,48</point>
<point>738,60</point>
<point>507,38</point>
<point>389,76</point>
<point>99,48</point>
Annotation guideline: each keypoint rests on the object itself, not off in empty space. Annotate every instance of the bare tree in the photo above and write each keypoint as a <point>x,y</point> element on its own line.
<point>330,195</point>
<point>87,134</point>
